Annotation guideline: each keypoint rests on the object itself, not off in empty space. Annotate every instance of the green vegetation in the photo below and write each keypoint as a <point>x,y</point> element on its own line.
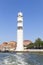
<point>38,44</point>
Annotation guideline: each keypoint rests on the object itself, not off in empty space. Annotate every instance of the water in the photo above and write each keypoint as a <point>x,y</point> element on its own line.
<point>21,59</point>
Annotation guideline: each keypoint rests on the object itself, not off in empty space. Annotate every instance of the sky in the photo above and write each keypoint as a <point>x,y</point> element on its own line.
<point>33,19</point>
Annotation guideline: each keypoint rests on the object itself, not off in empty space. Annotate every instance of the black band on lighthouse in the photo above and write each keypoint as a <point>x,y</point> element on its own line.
<point>20,21</point>
<point>20,27</point>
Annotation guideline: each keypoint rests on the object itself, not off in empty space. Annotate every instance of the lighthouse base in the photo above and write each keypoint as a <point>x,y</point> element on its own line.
<point>19,48</point>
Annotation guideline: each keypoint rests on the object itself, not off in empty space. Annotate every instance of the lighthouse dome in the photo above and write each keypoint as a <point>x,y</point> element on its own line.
<point>20,14</point>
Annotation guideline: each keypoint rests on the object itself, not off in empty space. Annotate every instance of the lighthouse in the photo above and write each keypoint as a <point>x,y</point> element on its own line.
<point>19,32</point>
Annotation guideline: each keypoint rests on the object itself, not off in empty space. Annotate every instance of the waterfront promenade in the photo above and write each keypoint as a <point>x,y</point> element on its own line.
<point>25,51</point>
<point>30,50</point>
<point>35,50</point>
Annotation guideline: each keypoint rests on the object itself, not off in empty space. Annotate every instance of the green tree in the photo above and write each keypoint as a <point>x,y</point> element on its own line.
<point>38,43</point>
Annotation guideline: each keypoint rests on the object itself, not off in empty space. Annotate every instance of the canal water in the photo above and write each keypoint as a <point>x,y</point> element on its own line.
<point>21,59</point>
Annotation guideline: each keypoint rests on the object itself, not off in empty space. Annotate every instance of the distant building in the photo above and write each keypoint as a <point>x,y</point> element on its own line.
<point>26,43</point>
<point>8,46</point>
<point>12,45</point>
<point>0,47</point>
<point>4,46</point>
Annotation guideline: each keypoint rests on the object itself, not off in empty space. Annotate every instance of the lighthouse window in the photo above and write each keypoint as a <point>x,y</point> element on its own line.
<point>20,27</point>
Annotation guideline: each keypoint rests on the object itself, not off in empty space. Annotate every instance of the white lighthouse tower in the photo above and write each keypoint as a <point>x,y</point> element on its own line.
<point>19,32</point>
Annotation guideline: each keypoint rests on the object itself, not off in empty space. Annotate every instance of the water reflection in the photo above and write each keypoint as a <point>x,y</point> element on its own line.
<point>21,59</point>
